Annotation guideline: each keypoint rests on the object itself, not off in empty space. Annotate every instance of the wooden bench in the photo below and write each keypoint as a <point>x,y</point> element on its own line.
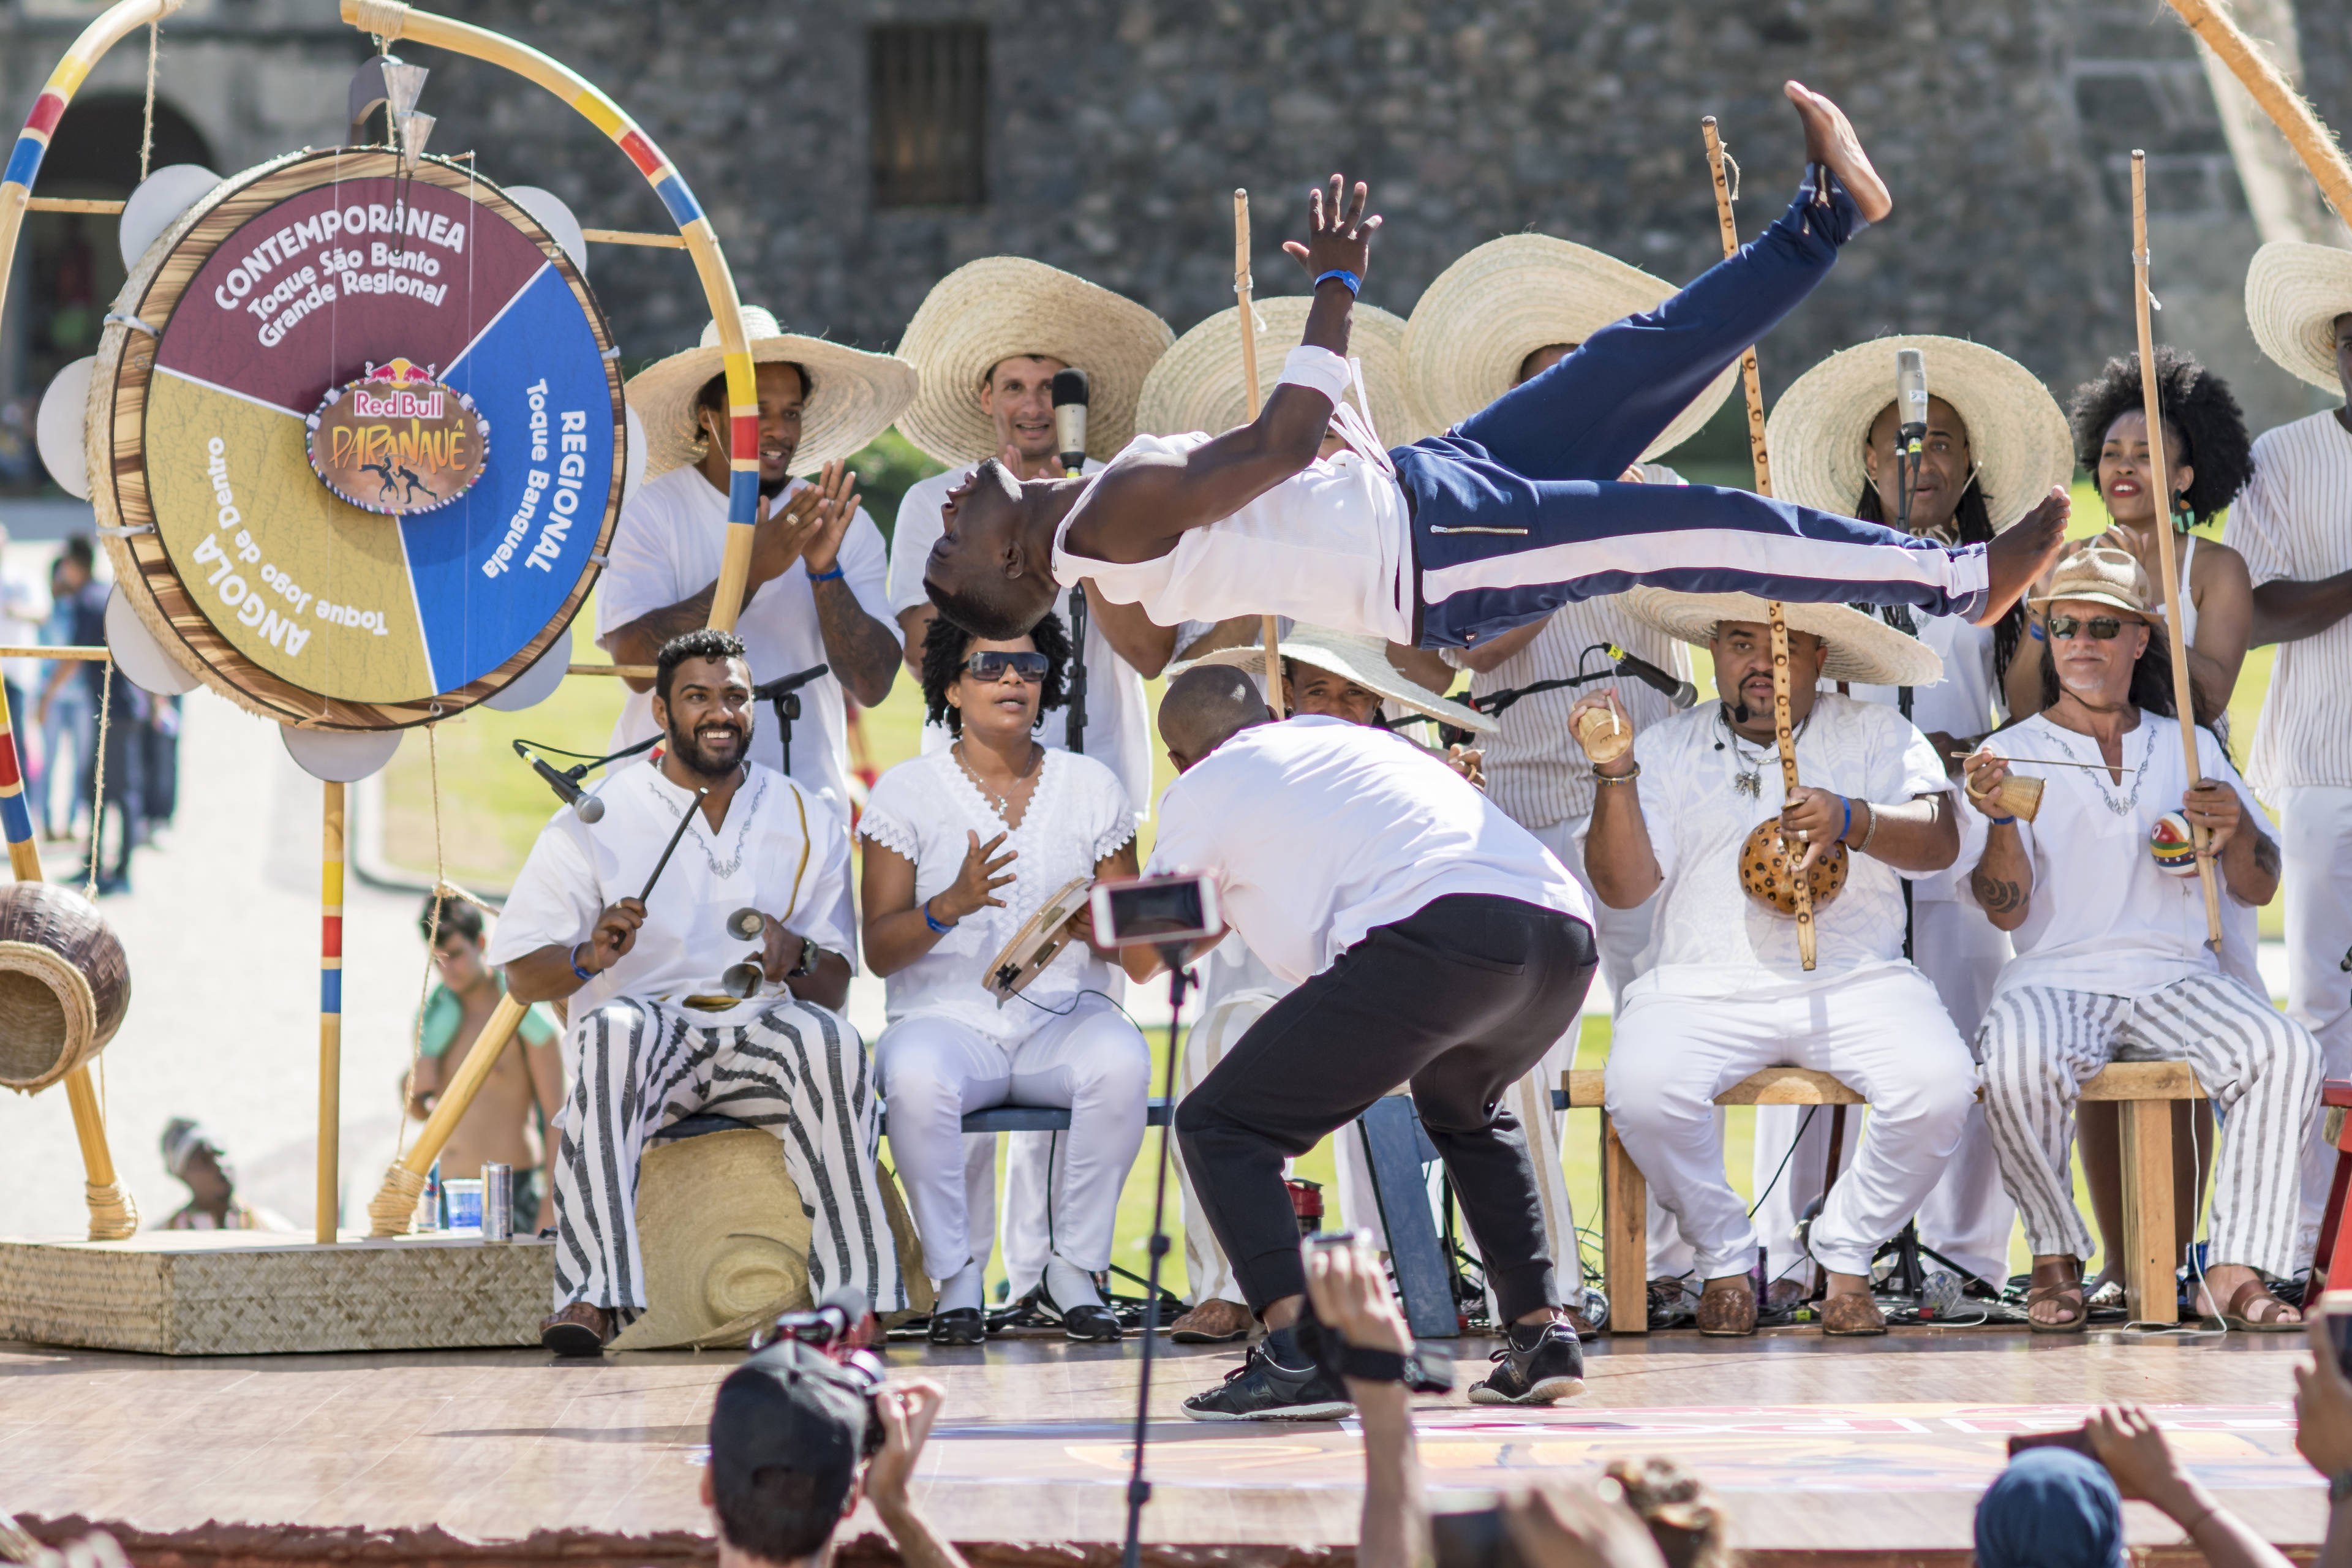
<point>2145,1091</point>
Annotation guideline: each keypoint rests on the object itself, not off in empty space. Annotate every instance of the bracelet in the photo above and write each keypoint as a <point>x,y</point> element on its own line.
<point>2001,821</point>
<point>575,957</point>
<point>927,921</point>
<point>2036,632</point>
<point>1341,274</point>
<point>1618,778</point>
<point>1848,829</point>
<point>832,576</point>
<point>1365,1364</point>
<point>1868,832</point>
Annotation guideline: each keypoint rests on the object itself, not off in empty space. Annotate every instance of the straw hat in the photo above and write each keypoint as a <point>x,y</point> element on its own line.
<point>2017,432</point>
<point>1490,309</point>
<point>2295,291</point>
<point>2100,575</point>
<point>853,395</point>
<point>1198,386</point>
<point>1862,648</point>
<point>1002,306</point>
<point>1351,656</point>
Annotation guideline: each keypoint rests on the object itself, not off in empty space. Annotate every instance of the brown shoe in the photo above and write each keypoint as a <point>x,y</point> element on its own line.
<point>1726,1308</point>
<point>579,1330</point>
<point>1852,1313</point>
<point>1212,1323</point>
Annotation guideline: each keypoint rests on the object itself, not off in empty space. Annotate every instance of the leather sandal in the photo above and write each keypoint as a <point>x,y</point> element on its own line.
<point>2252,1296</point>
<point>1852,1313</point>
<point>2062,1284</point>
<point>1213,1322</point>
<point>1726,1308</point>
<point>579,1330</point>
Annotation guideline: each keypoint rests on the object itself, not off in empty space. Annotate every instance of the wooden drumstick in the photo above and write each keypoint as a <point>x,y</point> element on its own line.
<point>2160,475</point>
<point>1783,735</point>
<point>1269,627</point>
<point>683,823</point>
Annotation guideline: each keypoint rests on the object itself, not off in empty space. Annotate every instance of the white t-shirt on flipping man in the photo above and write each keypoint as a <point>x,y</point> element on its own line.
<point>1317,830</point>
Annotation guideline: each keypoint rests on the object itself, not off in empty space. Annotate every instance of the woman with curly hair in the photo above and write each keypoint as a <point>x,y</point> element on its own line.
<point>2207,447</point>
<point>962,846</point>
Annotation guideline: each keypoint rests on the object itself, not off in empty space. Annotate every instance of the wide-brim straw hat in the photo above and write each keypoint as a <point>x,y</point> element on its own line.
<point>1861,647</point>
<point>2017,433</point>
<point>853,395</point>
<point>2295,291</point>
<point>1001,306</point>
<point>2102,574</point>
<point>1355,658</point>
<point>1198,384</point>
<point>1485,314</point>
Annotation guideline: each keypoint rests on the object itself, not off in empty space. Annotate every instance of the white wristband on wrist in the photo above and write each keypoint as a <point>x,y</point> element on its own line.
<point>1319,370</point>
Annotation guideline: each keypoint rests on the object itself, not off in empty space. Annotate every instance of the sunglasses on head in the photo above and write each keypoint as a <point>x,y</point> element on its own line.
<point>992,665</point>
<point>2104,627</point>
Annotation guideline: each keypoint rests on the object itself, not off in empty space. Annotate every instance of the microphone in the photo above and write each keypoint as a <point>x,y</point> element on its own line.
<point>1070,417</point>
<point>1911,397</point>
<point>785,685</point>
<point>1681,693</point>
<point>567,788</point>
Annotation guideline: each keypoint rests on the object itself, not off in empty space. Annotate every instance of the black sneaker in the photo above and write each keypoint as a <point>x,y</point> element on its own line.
<point>1539,1362</point>
<point>1275,1383</point>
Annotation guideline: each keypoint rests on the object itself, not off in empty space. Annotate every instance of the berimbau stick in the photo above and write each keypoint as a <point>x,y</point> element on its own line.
<point>1269,627</point>
<point>2184,697</point>
<point>393,1208</point>
<point>1782,733</point>
<point>330,1014</point>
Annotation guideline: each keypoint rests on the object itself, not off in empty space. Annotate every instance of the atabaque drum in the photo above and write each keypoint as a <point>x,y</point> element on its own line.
<point>357,440</point>
<point>64,984</point>
<point>1768,876</point>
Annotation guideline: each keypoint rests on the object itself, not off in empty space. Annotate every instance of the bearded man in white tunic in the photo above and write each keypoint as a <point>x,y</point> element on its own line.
<point>654,1036</point>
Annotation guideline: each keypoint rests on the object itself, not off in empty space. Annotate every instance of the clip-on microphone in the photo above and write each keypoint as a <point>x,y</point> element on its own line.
<point>1070,394</point>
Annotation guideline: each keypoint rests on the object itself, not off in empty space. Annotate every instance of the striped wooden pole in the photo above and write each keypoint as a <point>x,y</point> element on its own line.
<point>1269,627</point>
<point>330,1014</point>
<point>391,19</point>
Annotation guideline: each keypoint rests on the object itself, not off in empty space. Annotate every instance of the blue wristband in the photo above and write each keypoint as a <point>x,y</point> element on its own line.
<point>932,923</point>
<point>574,956</point>
<point>2035,632</point>
<point>2001,821</point>
<point>832,576</point>
<point>1849,818</point>
<point>1355,283</point>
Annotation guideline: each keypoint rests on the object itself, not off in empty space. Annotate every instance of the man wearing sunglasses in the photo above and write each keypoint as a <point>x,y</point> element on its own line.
<point>2111,961</point>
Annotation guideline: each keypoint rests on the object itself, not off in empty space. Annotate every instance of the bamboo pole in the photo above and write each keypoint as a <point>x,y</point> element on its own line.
<point>2312,141</point>
<point>629,236</point>
<point>395,1205</point>
<point>331,1013</point>
<point>2168,563</point>
<point>1269,627</point>
<point>1784,735</point>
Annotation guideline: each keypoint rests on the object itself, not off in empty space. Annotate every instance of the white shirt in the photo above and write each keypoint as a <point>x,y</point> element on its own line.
<point>924,808</point>
<point>2101,916</point>
<point>1966,702</point>
<point>1330,546</point>
<point>671,538</point>
<point>1709,938</point>
<point>1318,830</point>
<point>22,610</point>
<point>1118,713</point>
<point>2293,522</point>
<point>781,850</point>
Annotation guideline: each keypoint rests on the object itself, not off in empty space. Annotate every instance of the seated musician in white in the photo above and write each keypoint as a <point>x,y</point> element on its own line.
<point>963,847</point>
<point>1725,994</point>
<point>653,1038</point>
<point>2111,957</point>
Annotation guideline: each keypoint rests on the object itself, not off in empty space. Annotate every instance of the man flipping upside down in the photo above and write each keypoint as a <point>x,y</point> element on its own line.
<point>1500,521</point>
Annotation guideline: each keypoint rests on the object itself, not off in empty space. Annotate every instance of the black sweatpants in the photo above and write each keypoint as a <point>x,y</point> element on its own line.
<point>1459,1000</point>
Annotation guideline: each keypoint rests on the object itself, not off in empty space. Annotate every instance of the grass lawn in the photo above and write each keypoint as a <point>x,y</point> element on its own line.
<point>492,806</point>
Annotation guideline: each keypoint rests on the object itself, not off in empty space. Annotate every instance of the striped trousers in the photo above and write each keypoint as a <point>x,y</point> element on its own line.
<point>794,1069</point>
<point>2039,1044</point>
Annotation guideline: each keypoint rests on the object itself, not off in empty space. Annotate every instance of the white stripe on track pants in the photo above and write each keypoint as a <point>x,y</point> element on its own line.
<point>2261,1070</point>
<point>795,1069</point>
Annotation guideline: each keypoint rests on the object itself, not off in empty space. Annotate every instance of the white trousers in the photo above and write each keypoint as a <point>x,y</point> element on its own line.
<point>933,1069</point>
<point>2315,833</point>
<point>2260,1069</point>
<point>1968,1215</point>
<point>1883,1031</point>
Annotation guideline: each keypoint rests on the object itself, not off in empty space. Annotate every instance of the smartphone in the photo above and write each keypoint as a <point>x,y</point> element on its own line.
<point>2336,1306</point>
<point>1155,910</point>
<point>2076,1437</point>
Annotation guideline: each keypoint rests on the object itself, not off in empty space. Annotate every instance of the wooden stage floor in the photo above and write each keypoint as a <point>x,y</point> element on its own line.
<point>1870,1450</point>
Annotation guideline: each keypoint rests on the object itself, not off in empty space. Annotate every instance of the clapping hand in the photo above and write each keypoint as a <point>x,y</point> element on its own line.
<point>1339,237</point>
<point>780,538</point>
<point>836,503</point>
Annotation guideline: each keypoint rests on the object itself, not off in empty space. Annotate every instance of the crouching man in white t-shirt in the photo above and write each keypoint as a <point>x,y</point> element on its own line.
<point>1724,992</point>
<point>2111,957</point>
<point>1431,941</point>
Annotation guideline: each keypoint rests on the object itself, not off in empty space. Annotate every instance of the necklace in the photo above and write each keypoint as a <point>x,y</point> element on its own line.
<point>1748,773</point>
<point>1002,802</point>
<point>2122,805</point>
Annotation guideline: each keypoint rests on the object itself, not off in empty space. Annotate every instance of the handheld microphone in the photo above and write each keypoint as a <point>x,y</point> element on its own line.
<point>1681,693</point>
<point>1070,391</point>
<point>1911,398</point>
<point>567,788</point>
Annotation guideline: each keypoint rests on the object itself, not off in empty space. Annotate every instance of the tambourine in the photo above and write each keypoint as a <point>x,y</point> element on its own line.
<point>1767,874</point>
<point>1037,943</point>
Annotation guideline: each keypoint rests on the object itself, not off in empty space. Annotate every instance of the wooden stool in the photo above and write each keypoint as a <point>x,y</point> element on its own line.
<point>2146,1089</point>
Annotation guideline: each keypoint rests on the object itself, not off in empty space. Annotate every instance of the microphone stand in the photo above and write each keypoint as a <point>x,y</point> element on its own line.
<point>784,694</point>
<point>1139,1490</point>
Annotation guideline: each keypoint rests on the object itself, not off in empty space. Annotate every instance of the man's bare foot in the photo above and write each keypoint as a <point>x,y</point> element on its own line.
<point>1830,141</point>
<point>2022,552</point>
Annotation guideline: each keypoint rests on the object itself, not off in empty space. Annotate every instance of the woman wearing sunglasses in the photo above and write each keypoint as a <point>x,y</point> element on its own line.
<point>962,846</point>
